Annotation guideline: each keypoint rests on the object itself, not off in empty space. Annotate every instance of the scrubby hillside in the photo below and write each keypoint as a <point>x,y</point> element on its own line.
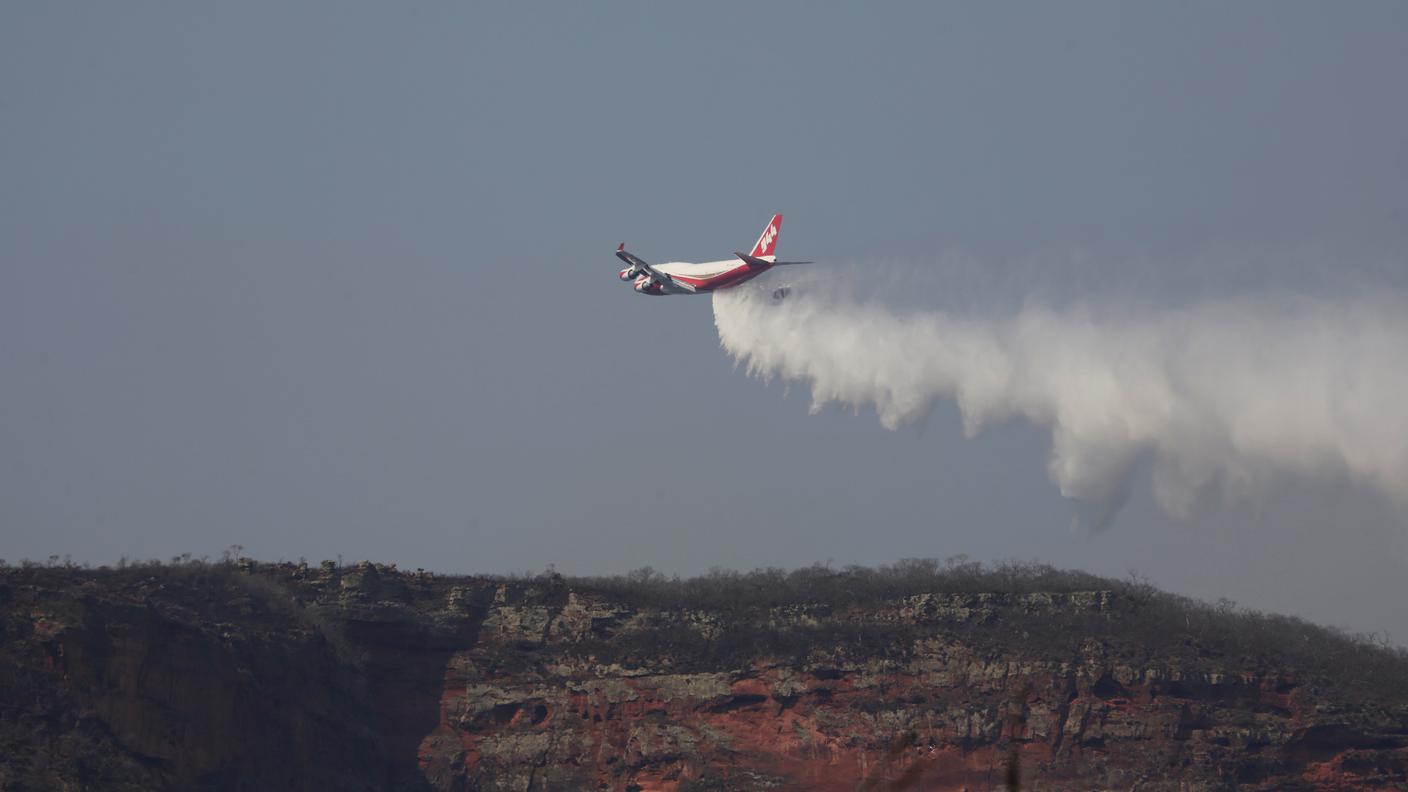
<point>920,675</point>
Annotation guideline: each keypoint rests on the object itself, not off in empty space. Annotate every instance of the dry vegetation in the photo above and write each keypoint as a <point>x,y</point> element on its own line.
<point>1142,625</point>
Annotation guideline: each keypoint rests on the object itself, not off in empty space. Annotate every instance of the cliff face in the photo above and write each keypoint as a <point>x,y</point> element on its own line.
<point>145,683</point>
<point>366,678</point>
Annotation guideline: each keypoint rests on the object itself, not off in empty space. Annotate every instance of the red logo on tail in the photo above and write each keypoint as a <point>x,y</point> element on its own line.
<point>768,240</point>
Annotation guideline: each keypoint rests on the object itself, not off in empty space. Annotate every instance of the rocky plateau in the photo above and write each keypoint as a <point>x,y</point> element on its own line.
<point>250,676</point>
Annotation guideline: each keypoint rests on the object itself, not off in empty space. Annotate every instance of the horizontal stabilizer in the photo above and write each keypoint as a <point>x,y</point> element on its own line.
<point>754,261</point>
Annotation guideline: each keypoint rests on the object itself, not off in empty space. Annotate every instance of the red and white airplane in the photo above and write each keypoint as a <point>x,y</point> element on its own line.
<point>681,277</point>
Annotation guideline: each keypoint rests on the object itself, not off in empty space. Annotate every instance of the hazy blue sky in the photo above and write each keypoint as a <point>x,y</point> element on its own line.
<point>331,279</point>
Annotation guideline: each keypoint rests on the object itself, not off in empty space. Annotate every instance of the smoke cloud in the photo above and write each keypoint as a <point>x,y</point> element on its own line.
<point>1217,397</point>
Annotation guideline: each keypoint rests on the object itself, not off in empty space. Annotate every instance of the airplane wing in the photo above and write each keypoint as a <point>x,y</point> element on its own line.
<point>657,275</point>
<point>633,260</point>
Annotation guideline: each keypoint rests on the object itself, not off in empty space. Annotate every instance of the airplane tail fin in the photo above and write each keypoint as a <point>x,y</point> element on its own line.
<point>766,247</point>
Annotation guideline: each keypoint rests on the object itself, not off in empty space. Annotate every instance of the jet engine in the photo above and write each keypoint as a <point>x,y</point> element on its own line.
<point>627,273</point>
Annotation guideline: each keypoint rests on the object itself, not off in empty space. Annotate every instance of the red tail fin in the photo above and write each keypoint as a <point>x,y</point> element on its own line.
<point>766,247</point>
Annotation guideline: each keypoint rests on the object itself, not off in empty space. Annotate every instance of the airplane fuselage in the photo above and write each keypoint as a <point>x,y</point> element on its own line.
<point>683,277</point>
<point>705,276</point>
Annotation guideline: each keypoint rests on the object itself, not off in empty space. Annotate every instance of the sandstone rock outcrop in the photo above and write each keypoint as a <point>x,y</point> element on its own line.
<point>365,677</point>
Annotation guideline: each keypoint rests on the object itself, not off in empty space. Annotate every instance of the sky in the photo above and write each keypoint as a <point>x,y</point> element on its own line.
<point>335,280</point>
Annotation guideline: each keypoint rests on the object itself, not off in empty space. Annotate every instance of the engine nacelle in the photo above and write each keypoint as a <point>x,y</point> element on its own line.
<point>627,273</point>
<point>647,285</point>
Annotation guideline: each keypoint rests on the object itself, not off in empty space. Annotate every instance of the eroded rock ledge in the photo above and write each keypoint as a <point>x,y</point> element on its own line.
<point>251,676</point>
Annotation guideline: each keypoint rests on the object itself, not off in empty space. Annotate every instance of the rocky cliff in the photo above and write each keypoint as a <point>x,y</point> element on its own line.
<point>919,676</point>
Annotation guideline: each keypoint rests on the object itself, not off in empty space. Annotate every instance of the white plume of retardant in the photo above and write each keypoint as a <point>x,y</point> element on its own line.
<point>1219,396</point>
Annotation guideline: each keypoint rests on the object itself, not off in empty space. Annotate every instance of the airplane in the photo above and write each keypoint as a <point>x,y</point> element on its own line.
<point>682,277</point>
